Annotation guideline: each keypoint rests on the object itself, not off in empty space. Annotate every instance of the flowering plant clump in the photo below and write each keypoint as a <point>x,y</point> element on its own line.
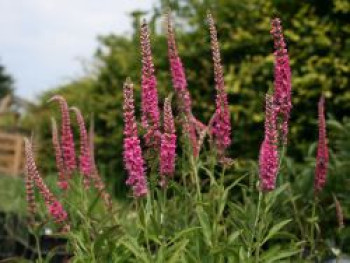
<point>63,145</point>
<point>187,203</point>
<point>54,207</point>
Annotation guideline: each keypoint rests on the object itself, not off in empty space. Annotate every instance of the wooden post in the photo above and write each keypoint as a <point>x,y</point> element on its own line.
<point>11,153</point>
<point>18,142</point>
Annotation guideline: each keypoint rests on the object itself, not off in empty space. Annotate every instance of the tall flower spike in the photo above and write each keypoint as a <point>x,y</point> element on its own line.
<point>180,86</point>
<point>31,206</point>
<point>98,183</point>
<point>62,179</point>
<point>322,157</point>
<point>85,165</point>
<point>91,142</point>
<point>268,158</point>
<point>339,212</point>
<point>282,82</point>
<point>177,70</point>
<point>95,177</point>
<point>66,136</point>
<point>221,129</point>
<point>133,160</point>
<point>34,174</point>
<point>168,145</point>
<point>149,103</point>
<point>54,207</point>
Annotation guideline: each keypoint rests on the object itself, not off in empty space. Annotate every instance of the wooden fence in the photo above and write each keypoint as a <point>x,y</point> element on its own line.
<point>11,154</point>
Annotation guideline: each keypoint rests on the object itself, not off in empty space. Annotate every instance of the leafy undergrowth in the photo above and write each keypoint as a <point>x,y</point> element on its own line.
<point>12,194</point>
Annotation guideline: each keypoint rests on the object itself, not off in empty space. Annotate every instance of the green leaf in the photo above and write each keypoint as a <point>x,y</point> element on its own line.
<point>275,229</point>
<point>135,249</point>
<point>110,231</point>
<point>242,255</point>
<point>234,236</point>
<point>205,224</point>
<point>223,198</point>
<point>183,233</point>
<point>179,248</point>
<point>93,204</point>
<point>276,256</point>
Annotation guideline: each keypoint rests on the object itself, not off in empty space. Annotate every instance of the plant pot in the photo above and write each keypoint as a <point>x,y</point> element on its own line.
<point>53,246</point>
<point>7,247</point>
<point>2,223</point>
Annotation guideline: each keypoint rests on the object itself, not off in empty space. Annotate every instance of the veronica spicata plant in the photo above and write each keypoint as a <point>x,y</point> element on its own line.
<point>200,209</point>
<point>67,207</point>
<point>210,226</point>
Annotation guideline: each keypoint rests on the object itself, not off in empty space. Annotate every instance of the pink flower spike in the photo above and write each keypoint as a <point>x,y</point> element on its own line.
<point>322,157</point>
<point>190,129</point>
<point>62,178</point>
<point>168,145</point>
<point>149,103</point>
<point>133,160</point>
<point>221,129</point>
<point>66,136</point>
<point>268,158</point>
<point>52,204</point>
<point>91,137</point>
<point>57,212</point>
<point>34,173</point>
<point>130,126</point>
<point>30,196</point>
<point>282,82</point>
<point>85,159</point>
<point>180,85</point>
<point>96,178</point>
<point>178,72</point>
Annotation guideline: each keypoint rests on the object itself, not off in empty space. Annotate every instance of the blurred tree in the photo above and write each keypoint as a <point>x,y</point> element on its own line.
<point>6,82</point>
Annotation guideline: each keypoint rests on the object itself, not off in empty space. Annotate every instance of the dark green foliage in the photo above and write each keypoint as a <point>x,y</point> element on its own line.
<point>6,82</point>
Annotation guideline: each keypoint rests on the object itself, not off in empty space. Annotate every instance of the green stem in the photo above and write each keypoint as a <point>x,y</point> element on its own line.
<point>296,212</point>
<point>312,241</point>
<point>281,159</point>
<point>145,223</point>
<point>196,178</point>
<point>257,216</point>
<point>257,225</point>
<point>38,247</point>
<point>282,155</point>
<point>162,215</point>
<point>222,177</point>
